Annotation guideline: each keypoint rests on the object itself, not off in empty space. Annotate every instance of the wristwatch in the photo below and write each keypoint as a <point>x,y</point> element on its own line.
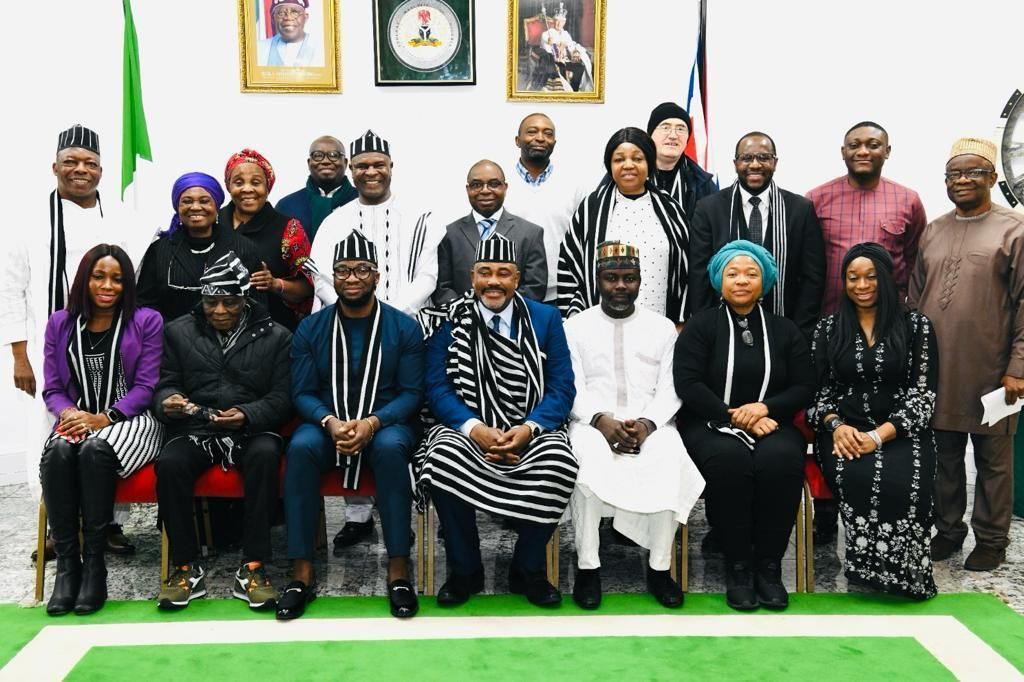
<point>114,415</point>
<point>834,423</point>
<point>535,429</point>
<point>323,422</point>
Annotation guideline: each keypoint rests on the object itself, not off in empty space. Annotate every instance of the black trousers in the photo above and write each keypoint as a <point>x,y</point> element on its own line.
<point>179,465</point>
<point>753,496</point>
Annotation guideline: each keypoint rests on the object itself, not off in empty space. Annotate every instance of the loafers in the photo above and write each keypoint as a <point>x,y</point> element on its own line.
<point>984,558</point>
<point>351,533</point>
<point>117,542</point>
<point>535,587</point>
<point>586,591</point>
<point>458,588</point>
<point>771,593</point>
<point>942,547</point>
<point>664,589</point>
<point>402,598</point>
<point>739,586</point>
<point>294,599</point>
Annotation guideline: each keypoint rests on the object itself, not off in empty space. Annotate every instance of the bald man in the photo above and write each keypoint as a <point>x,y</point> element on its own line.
<point>486,188</point>
<point>326,189</point>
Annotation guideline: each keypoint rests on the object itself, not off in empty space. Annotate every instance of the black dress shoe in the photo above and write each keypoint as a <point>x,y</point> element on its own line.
<point>402,598</point>
<point>351,533</point>
<point>771,593</point>
<point>586,591</point>
<point>535,586</point>
<point>942,547</point>
<point>457,589</point>
<point>117,543</point>
<point>739,586</point>
<point>65,586</point>
<point>665,590</point>
<point>293,600</point>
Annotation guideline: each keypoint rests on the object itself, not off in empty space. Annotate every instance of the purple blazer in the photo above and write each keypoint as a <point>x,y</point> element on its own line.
<point>141,348</point>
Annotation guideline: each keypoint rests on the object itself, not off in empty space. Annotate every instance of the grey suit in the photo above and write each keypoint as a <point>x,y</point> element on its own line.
<point>457,252</point>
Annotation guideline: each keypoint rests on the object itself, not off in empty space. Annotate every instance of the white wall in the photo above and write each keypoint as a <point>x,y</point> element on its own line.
<point>802,71</point>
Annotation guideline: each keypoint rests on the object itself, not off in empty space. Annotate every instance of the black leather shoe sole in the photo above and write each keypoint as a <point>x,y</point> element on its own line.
<point>742,601</point>
<point>458,589</point>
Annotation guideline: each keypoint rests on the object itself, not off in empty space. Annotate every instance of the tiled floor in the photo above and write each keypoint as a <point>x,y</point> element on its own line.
<point>361,569</point>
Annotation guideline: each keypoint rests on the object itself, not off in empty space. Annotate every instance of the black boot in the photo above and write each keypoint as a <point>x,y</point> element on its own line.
<point>770,591</point>
<point>58,475</point>
<point>739,586</point>
<point>97,474</point>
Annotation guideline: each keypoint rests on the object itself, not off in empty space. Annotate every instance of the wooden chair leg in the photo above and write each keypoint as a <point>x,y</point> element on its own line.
<point>684,559</point>
<point>165,552</point>
<point>207,527</point>
<point>801,541</point>
<point>673,566</point>
<point>809,535</point>
<point>421,553</point>
<point>41,552</point>
<point>430,586</point>
<point>552,557</point>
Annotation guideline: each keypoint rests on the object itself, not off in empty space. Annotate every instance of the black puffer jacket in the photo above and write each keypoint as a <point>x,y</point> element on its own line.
<point>253,376</point>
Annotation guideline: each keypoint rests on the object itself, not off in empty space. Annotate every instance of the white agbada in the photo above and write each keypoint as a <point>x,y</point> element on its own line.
<point>624,366</point>
<point>24,301</point>
<point>400,236</point>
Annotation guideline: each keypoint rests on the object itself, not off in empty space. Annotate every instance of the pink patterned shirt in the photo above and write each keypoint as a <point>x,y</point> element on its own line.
<point>889,214</point>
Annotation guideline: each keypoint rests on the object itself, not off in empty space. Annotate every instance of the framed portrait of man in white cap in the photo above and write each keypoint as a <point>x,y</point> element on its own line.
<point>289,46</point>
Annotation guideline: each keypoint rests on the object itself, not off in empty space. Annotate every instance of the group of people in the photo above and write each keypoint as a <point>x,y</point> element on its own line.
<point>555,353</point>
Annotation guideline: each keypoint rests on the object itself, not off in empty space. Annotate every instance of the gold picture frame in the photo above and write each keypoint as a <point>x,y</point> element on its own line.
<point>263,56</point>
<point>555,51</point>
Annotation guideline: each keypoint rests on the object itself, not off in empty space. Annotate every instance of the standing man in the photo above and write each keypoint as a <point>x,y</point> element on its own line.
<point>669,126</point>
<point>499,381</point>
<point>969,281</point>
<point>357,384</point>
<point>858,207</point>
<point>291,45</point>
<point>37,270</point>
<point>486,187</point>
<point>541,194</point>
<point>633,466</point>
<point>757,210</point>
<point>327,187</point>
<point>406,241</point>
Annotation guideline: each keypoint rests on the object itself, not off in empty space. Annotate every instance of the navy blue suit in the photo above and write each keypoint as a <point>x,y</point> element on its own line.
<point>397,403</point>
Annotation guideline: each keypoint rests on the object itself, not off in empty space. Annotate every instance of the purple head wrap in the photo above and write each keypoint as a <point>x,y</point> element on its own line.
<point>188,181</point>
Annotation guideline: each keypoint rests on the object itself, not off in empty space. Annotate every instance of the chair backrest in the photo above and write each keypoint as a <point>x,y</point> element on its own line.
<point>533,29</point>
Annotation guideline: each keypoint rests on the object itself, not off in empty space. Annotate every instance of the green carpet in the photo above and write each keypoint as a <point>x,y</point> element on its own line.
<point>619,658</point>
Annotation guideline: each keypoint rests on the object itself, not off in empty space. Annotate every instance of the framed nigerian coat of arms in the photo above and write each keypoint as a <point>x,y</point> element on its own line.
<point>424,42</point>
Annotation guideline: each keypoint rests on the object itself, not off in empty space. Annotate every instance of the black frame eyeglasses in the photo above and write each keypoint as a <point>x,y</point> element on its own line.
<point>362,272</point>
<point>319,156</point>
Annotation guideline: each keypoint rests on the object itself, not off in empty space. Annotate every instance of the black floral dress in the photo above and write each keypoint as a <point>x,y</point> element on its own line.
<point>885,497</point>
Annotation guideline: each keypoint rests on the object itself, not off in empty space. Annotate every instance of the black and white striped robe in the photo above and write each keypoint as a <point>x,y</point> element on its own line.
<point>577,274</point>
<point>501,381</point>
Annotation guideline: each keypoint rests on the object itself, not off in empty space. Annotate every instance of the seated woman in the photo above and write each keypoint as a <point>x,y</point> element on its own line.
<point>877,366</point>
<point>282,246</point>
<point>170,270</point>
<point>743,373</point>
<point>629,209</point>
<point>223,393</point>
<point>102,361</point>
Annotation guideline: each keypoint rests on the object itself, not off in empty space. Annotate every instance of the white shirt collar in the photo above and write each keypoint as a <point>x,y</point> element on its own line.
<point>505,316</point>
<point>746,196</point>
<point>496,216</point>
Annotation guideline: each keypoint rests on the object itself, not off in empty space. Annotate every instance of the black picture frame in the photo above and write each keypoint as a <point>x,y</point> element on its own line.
<point>411,48</point>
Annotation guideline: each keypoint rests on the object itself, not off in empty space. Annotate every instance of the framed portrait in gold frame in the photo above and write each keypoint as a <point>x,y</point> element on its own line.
<point>556,50</point>
<point>289,46</point>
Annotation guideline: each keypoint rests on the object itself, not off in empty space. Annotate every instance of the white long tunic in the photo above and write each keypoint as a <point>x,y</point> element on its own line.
<point>393,232</point>
<point>624,366</point>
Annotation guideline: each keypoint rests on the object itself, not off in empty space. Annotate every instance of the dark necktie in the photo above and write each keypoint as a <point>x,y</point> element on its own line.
<point>496,324</point>
<point>755,221</point>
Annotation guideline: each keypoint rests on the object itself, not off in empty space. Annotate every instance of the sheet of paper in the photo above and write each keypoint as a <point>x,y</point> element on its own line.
<point>995,406</point>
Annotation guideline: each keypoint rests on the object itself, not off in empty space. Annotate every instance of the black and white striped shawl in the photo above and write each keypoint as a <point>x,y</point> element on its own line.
<point>775,237</point>
<point>90,400</point>
<point>354,395</point>
<point>577,271</point>
<point>57,283</point>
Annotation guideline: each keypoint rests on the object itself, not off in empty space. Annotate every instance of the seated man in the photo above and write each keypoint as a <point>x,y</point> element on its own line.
<point>500,446</point>
<point>223,393</point>
<point>633,466</point>
<point>357,383</point>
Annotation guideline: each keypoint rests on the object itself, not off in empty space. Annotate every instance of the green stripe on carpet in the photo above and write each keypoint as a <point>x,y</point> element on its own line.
<point>612,658</point>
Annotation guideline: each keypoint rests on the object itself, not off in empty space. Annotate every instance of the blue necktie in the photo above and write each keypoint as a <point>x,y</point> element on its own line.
<point>496,324</point>
<point>486,227</point>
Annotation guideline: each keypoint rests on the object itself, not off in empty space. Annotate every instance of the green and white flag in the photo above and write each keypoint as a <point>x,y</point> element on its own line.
<point>134,133</point>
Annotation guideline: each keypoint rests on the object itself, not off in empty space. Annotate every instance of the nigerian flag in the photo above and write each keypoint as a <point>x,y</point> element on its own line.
<point>134,134</point>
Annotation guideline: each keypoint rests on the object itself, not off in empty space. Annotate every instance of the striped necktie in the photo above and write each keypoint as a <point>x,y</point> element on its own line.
<point>486,227</point>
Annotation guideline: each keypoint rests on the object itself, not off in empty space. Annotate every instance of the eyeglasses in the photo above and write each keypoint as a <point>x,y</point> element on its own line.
<point>746,336</point>
<point>320,156</point>
<point>342,272</point>
<point>970,174</point>
<point>680,130</point>
<point>289,12</point>
<point>761,158</point>
<point>477,185</point>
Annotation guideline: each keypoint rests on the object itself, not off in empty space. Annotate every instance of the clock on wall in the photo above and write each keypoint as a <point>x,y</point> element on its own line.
<point>1010,134</point>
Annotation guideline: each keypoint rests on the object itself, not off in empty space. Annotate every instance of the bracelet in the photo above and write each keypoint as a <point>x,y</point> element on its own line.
<point>280,286</point>
<point>873,435</point>
<point>370,423</point>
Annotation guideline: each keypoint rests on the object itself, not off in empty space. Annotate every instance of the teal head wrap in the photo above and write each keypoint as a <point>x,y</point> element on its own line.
<point>741,247</point>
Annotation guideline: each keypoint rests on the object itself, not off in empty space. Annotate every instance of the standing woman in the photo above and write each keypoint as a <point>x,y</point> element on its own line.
<point>282,246</point>
<point>877,366</point>
<point>631,209</point>
<point>743,373</point>
<point>170,270</point>
<point>101,365</point>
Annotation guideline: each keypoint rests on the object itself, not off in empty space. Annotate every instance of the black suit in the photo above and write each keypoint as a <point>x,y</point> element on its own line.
<point>805,253</point>
<point>456,255</point>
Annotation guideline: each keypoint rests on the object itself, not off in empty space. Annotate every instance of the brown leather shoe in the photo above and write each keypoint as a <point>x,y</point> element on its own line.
<point>984,558</point>
<point>117,543</point>
<point>49,554</point>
